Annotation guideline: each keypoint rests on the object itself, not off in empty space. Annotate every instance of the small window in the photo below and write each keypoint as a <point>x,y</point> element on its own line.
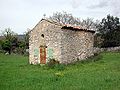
<point>42,35</point>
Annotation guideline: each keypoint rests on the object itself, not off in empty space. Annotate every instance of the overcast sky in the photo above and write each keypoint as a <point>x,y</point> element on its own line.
<point>22,14</point>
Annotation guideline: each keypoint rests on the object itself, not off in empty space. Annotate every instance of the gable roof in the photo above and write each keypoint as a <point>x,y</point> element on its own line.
<point>66,26</point>
<point>77,28</point>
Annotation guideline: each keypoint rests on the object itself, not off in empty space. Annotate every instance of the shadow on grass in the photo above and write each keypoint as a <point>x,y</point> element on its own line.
<point>62,67</point>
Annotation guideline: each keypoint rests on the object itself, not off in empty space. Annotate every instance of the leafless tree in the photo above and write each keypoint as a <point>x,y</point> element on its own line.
<point>8,34</point>
<point>89,23</point>
<point>65,18</point>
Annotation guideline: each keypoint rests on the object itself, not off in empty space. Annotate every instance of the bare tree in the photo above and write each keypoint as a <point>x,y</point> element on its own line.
<point>8,34</point>
<point>89,23</point>
<point>65,18</point>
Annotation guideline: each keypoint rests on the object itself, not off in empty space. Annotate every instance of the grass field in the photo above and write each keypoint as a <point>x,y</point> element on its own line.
<point>17,74</point>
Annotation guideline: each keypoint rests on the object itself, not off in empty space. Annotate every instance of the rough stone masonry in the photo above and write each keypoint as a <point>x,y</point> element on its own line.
<point>65,43</point>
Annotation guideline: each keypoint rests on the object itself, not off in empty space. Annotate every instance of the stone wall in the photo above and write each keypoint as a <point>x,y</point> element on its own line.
<point>76,45</point>
<point>110,49</point>
<point>52,41</point>
<point>35,40</point>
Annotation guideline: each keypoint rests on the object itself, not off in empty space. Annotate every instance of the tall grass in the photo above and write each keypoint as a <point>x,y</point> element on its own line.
<point>102,74</point>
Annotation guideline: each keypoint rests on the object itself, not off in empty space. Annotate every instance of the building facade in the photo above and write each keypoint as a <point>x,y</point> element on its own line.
<point>64,43</point>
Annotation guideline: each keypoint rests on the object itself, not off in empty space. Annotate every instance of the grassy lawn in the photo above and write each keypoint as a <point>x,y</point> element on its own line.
<point>17,74</point>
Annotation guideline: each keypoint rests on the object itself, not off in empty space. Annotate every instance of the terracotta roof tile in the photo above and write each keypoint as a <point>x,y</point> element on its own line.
<point>73,27</point>
<point>67,26</point>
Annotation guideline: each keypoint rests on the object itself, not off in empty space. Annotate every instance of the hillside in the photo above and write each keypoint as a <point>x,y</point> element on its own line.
<point>20,37</point>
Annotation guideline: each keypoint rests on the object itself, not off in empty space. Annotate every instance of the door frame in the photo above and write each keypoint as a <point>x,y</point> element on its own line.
<point>42,54</point>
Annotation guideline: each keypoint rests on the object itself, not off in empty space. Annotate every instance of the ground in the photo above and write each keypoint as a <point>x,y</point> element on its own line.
<point>17,74</point>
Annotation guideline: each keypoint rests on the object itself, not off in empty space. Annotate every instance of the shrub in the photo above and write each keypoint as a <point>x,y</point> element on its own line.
<point>55,64</point>
<point>52,62</point>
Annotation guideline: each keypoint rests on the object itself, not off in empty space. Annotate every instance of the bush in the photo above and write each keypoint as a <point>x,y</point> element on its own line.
<point>52,62</point>
<point>55,64</point>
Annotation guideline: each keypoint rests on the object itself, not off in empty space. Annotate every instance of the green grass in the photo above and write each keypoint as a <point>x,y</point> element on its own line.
<point>17,74</point>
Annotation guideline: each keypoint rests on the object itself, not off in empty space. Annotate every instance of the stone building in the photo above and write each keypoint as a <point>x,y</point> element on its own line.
<point>65,43</point>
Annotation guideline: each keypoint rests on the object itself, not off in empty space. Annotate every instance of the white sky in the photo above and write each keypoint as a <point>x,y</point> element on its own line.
<point>22,14</point>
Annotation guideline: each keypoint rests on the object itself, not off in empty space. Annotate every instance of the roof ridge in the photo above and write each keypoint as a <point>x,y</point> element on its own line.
<point>52,21</point>
<point>65,26</point>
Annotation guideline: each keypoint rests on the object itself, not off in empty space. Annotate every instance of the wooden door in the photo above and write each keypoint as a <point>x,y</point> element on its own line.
<point>42,55</point>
